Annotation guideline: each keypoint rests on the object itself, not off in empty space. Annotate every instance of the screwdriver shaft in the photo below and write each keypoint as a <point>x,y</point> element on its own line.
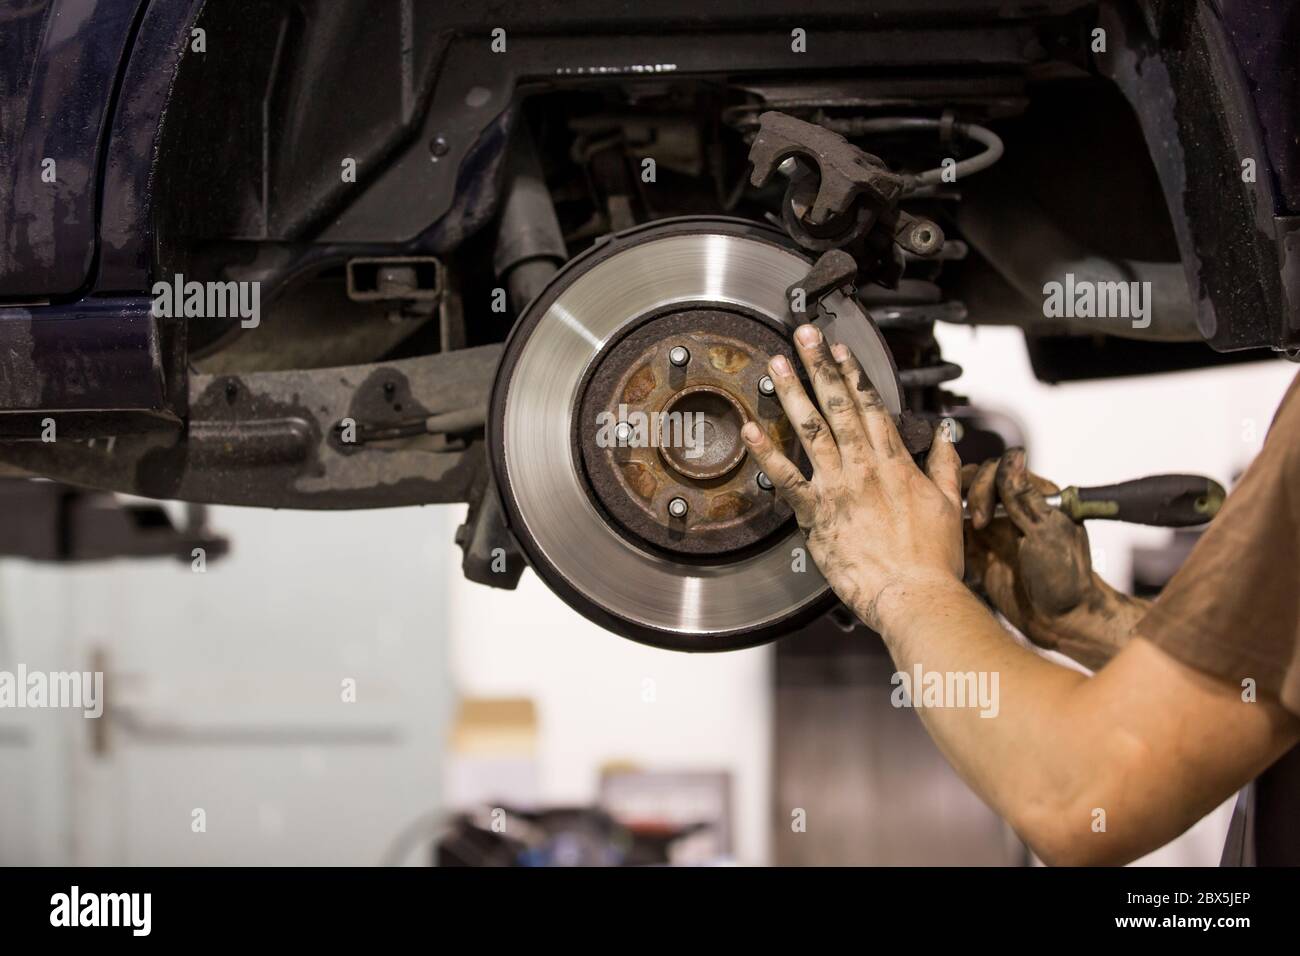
<point>1000,511</point>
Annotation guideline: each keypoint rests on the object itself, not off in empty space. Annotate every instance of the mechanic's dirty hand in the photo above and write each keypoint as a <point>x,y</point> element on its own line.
<point>1034,564</point>
<point>881,530</point>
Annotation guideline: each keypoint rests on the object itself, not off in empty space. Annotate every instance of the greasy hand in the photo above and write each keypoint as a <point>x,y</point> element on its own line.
<point>880,530</point>
<point>1035,564</point>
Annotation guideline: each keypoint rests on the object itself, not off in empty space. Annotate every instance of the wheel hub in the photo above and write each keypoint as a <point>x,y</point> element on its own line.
<point>700,433</point>
<point>659,425</point>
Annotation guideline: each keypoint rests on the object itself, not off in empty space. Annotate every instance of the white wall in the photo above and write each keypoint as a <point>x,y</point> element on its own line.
<point>224,694</point>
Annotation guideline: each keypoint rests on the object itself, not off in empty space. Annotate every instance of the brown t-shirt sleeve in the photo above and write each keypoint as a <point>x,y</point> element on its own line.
<point>1233,609</point>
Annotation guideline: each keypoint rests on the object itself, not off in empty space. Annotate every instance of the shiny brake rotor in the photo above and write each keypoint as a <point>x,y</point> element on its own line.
<point>677,548</point>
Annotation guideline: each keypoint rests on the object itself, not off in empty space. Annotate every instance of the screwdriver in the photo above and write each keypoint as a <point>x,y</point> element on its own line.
<point>1165,501</point>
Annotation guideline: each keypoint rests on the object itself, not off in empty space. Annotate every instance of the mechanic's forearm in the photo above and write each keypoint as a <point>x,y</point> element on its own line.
<point>1095,631</point>
<point>1064,747</point>
<point>1029,756</point>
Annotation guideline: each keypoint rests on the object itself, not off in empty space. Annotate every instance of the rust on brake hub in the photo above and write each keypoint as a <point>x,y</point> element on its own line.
<point>659,431</point>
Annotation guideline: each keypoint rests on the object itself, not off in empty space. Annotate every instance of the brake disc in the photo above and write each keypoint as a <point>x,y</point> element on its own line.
<point>685,549</point>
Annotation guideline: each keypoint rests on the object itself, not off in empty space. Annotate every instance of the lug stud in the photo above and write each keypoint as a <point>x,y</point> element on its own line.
<point>764,482</point>
<point>766,386</point>
<point>679,355</point>
<point>622,433</point>
<point>678,507</point>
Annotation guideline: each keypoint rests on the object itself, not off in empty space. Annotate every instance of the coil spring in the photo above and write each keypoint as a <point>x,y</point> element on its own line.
<point>915,306</point>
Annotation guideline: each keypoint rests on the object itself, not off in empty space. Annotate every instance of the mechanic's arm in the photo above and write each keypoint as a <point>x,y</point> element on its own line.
<point>1152,743</point>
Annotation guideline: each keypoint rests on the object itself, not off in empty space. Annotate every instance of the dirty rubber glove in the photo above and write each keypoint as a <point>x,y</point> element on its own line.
<point>1035,564</point>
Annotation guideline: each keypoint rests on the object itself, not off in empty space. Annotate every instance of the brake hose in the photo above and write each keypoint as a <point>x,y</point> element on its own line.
<point>991,153</point>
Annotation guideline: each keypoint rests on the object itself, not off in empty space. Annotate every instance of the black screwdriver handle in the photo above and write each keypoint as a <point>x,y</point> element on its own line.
<point>1168,501</point>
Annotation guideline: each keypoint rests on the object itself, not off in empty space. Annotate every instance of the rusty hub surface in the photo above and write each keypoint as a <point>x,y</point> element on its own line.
<point>654,432</point>
<point>699,433</point>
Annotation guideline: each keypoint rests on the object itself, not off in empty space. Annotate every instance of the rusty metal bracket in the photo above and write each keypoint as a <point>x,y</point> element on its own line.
<point>319,438</point>
<point>846,172</point>
<point>842,194</point>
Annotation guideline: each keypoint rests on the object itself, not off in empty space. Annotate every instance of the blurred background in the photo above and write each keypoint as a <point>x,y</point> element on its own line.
<point>329,690</point>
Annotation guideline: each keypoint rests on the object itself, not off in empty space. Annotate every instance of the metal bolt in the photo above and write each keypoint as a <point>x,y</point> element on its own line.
<point>438,147</point>
<point>764,482</point>
<point>924,238</point>
<point>623,433</point>
<point>766,385</point>
<point>678,507</point>
<point>679,355</point>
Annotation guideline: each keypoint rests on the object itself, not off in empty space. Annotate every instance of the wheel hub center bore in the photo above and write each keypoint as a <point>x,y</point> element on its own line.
<point>699,433</point>
<point>669,467</point>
